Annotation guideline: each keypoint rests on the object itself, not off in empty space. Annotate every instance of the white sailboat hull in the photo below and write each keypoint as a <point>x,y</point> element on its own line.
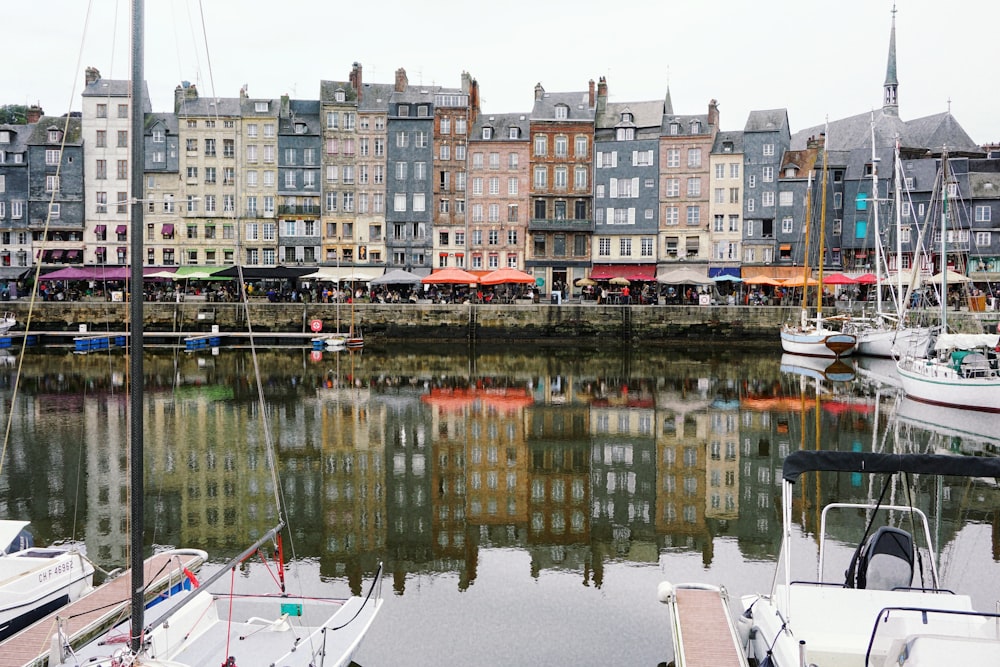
<point>813,342</point>
<point>892,342</point>
<point>35,582</point>
<point>939,383</point>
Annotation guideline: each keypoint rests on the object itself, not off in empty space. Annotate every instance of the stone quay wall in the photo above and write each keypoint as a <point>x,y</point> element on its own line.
<point>433,322</point>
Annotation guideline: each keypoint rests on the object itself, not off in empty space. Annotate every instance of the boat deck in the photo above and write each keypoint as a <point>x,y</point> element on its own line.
<point>105,605</point>
<point>707,638</point>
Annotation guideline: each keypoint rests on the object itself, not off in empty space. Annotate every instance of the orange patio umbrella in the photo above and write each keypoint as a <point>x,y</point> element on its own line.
<point>797,282</point>
<point>452,276</point>
<point>507,275</point>
<point>761,280</point>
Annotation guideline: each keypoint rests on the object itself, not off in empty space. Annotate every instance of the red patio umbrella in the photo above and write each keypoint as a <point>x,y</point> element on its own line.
<point>867,279</point>
<point>507,275</point>
<point>838,279</point>
<point>452,276</point>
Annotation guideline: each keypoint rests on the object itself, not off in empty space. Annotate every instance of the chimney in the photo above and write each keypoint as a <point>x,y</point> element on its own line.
<point>355,79</point>
<point>91,75</point>
<point>813,143</point>
<point>602,95</point>
<point>590,96</point>
<point>539,91</point>
<point>401,81</point>
<point>34,113</point>
<point>713,113</point>
<point>474,102</point>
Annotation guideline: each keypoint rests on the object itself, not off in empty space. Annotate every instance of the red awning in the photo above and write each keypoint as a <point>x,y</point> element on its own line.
<point>168,229</point>
<point>100,250</point>
<point>100,229</point>
<point>629,271</point>
<point>56,255</point>
<point>121,229</point>
<point>72,254</point>
<point>122,250</point>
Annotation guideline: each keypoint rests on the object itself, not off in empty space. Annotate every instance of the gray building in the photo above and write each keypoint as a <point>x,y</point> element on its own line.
<point>300,182</point>
<point>626,197</point>
<point>765,139</point>
<point>55,189</point>
<point>15,239</point>
<point>410,156</point>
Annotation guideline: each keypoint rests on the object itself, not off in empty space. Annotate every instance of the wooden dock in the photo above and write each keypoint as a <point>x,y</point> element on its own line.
<point>97,611</point>
<point>703,630</point>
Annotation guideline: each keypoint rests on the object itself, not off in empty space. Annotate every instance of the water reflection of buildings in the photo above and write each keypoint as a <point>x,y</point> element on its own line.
<point>425,471</point>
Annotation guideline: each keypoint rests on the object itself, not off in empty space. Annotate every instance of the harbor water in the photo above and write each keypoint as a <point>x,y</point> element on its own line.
<point>526,501</point>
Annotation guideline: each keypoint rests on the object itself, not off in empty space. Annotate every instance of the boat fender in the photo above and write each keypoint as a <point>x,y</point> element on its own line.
<point>743,626</point>
<point>665,592</point>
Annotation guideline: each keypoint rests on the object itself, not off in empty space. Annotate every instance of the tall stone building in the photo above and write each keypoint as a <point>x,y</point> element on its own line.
<point>562,223</point>
<point>299,182</point>
<point>454,113</point>
<point>726,206</point>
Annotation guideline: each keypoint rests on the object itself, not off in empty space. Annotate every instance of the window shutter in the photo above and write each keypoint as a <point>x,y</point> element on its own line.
<point>614,158</point>
<point>635,158</point>
<point>600,161</point>
<point>631,216</point>
<point>635,187</point>
<point>613,188</point>
<point>610,220</point>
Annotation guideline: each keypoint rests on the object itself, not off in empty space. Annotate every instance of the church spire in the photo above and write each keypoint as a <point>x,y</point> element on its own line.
<point>890,102</point>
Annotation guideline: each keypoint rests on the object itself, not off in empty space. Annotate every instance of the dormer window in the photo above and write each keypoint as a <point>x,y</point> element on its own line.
<point>159,136</point>
<point>562,112</point>
<point>791,171</point>
<point>675,129</point>
<point>514,133</point>
<point>695,127</point>
<point>627,117</point>
<point>340,95</point>
<point>4,136</point>
<point>404,109</point>
<point>422,111</point>
<point>300,128</point>
<point>727,147</point>
<point>487,133</point>
<point>260,107</point>
<point>55,136</point>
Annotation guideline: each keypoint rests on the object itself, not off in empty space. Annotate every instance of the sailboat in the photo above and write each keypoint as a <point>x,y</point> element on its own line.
<point>815,339</point>
<point>888,335</point>
<point>207,626</point>
<point>354,340</point>
<point>963,371</point>
<point>34,581</point>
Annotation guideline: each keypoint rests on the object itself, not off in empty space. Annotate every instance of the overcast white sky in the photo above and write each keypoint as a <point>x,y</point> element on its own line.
<point>815,59</point>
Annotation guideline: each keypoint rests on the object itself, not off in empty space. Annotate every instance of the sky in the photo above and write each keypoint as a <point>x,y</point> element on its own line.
<point>818,60</point>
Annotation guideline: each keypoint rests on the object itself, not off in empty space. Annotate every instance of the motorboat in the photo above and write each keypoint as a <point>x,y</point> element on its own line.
<point>35,581</point>
<point>7,322</point>
<point>886,605</point>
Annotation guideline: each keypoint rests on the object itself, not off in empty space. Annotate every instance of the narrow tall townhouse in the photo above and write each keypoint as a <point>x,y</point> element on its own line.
<point>410,155</point>
<point>765,140</point>
<point>258,222</point>
<point>626,200</point>
<point>16,252</point>
<point>162,186</point>
<point>500,177</point>
<point>562,223</point>
<point>726,207</point>
<point>299,182</point>
<point>339,110</point>
<point>206,204</point>
<point>56,190</point>
<point>454,113</point>
<point>105,126</point>
<point>685,146</point>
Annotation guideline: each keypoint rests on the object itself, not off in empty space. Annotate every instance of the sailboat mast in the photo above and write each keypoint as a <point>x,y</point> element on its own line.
<point>136,325</point>
<point>822,237</point>
<point>898,187</point>
<point>944,240</point>
<point>878,235</point>
<point>805,251</point>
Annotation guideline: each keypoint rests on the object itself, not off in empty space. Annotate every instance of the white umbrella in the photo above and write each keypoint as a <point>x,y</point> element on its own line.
<point>683,276</point>
<point>952,276</point>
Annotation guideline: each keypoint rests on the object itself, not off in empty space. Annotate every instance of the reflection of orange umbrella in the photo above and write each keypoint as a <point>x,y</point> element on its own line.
<point>457,400</point>
<point>506,275</point>
<point>761,280</point>
<point>797,282</point>
<point>776,403</point>
<point>451,276</point>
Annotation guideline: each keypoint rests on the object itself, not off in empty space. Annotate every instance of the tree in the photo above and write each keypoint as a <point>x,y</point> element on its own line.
<point>14,114</point>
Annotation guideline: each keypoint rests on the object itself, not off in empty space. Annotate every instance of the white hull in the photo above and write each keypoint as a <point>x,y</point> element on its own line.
<point>812,342</point>
<point>938,383</point>
<point>36,581</point>
<point>256,629</point>
<point>892,342</point>
<point>7,323</point>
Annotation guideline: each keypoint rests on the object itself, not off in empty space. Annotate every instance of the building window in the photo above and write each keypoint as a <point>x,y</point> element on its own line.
<point>540,144</point>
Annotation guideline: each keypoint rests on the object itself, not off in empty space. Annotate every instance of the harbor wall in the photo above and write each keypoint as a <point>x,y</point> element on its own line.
<point>433,322</point>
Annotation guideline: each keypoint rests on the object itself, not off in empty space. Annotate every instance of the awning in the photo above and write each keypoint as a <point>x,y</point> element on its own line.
<point>860,253</point>
<point>719,271</point>
<point>693,242</point>
<point>100,229</point>
<point>121,229</point>
<point>72,254</point>
<point>168,229</point>
<point>100,250</point>
<point>776,272</point>
<point>122,249</point>
<point>56,255</point>
<point>629,271</point>
<point>785,247</point>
